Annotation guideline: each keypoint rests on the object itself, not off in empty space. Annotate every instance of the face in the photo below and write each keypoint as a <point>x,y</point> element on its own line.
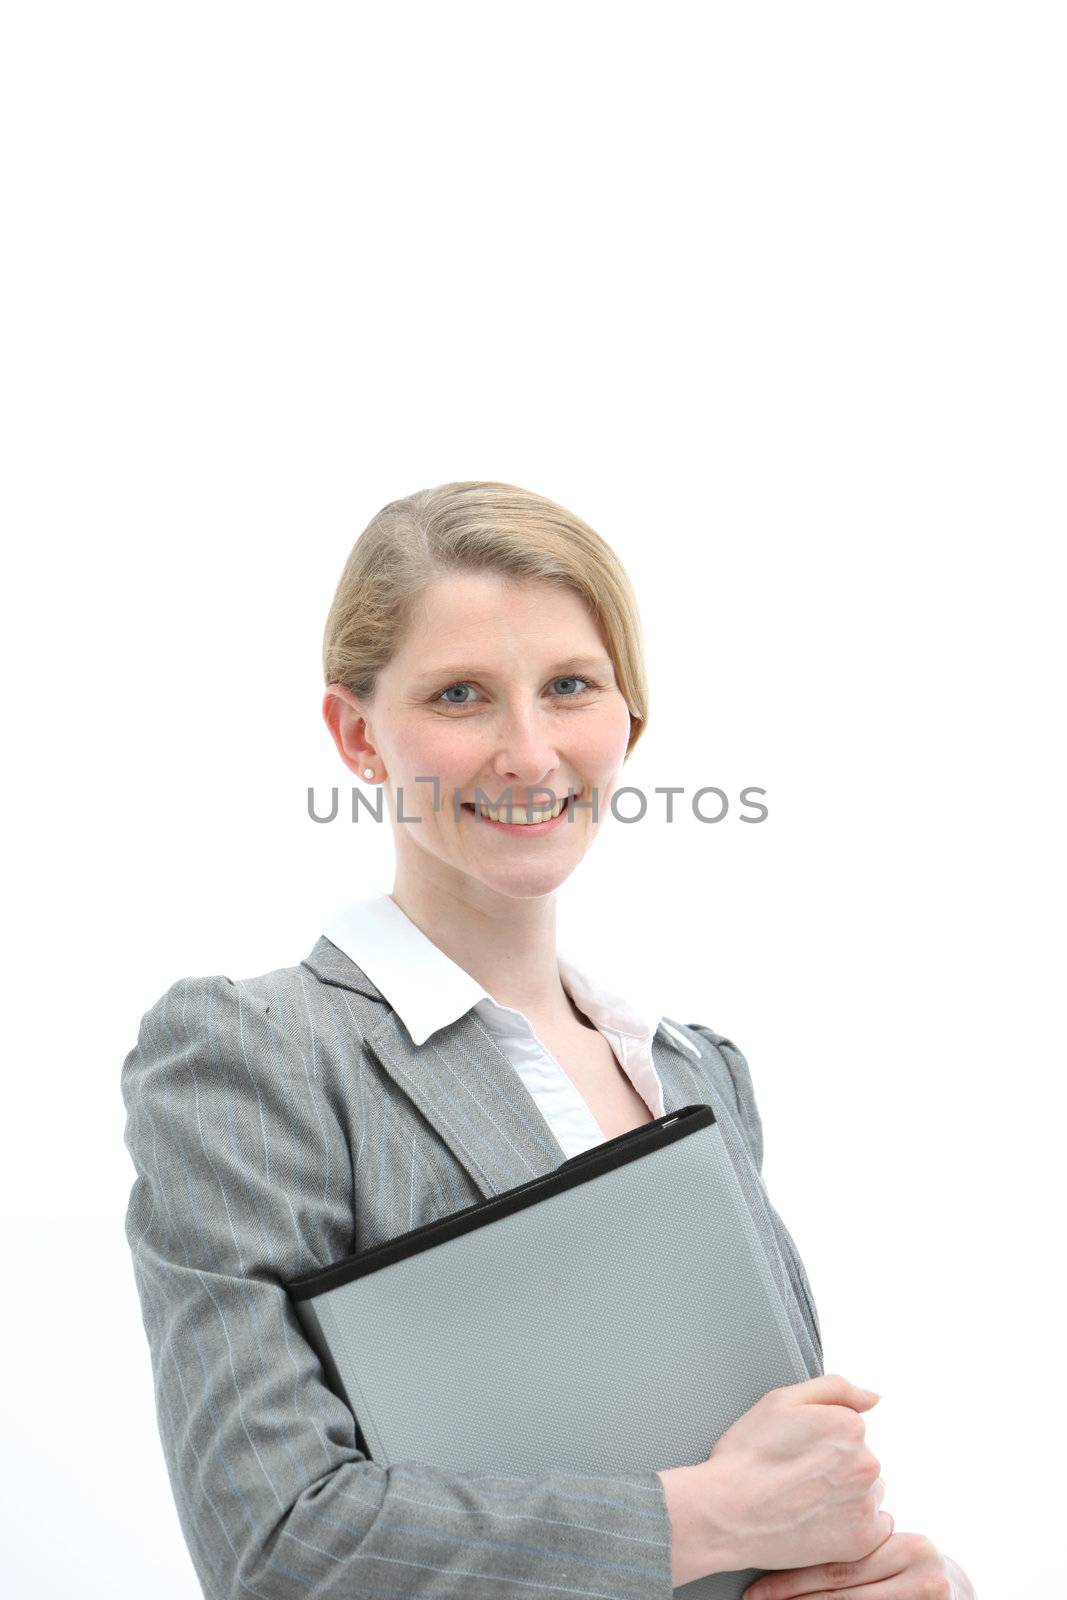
<point>496,683</point>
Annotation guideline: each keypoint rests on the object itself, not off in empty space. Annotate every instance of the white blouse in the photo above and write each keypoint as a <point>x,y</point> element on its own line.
<point>428,990</point>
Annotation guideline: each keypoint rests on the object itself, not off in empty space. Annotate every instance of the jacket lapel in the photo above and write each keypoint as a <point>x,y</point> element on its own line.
<point>478,1104</point>
<point>467,1088</point>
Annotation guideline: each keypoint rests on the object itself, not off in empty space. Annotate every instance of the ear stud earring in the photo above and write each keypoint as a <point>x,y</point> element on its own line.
<point>368,772</point>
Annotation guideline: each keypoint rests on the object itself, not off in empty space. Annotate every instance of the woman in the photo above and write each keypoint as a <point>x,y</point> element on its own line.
<point>432,1049</point>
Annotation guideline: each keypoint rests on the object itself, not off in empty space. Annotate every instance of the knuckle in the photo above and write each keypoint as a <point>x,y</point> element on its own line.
<point>840,1571</point>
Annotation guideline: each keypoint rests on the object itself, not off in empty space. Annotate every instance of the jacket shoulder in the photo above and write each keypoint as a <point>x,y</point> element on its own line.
<point>733,1077</point>
<point>265,992</point>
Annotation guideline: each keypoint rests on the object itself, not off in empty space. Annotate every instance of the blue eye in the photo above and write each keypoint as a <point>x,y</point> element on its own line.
<point>588,686</point>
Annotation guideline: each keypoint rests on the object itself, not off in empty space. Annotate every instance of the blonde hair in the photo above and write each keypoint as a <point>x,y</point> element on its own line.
<point>475,527</point>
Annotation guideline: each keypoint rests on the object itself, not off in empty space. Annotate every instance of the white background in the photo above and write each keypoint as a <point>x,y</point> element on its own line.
<point>772,295</point>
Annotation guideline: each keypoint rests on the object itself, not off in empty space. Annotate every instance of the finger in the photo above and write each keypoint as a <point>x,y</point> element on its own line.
<point>891,1563</point>
<point>831,1388</point>
<point>901,1586</point>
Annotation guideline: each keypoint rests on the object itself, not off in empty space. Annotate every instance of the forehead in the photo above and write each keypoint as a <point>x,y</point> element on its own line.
<point>484,622</point>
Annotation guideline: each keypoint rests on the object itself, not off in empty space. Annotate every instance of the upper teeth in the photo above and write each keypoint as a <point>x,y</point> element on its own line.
<point>521,814</point>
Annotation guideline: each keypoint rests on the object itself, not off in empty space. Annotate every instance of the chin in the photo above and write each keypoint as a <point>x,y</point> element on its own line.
<point>527,883</point>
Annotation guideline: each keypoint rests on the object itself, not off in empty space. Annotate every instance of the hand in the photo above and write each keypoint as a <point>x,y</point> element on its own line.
<point>906,1566</point>
<point>792,1481</point>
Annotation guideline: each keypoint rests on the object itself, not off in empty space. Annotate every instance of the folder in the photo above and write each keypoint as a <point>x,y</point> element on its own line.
<point>616,1314</point>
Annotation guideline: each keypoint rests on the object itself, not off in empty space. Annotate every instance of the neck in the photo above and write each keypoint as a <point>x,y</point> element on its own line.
<point>508,945</point>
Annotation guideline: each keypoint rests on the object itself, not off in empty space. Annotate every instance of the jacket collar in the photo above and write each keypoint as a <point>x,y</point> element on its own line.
<point>428,989</point>
<point>467,1088</point>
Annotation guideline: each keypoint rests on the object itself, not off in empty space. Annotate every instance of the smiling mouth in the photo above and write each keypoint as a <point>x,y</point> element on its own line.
<point>537,816</point>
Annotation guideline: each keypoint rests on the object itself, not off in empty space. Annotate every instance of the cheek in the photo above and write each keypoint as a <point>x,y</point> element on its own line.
<point>434,749</point>
<point>603,737</point>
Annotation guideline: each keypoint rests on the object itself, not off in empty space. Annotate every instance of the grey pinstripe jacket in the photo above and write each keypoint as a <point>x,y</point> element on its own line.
<point>279,1123</point>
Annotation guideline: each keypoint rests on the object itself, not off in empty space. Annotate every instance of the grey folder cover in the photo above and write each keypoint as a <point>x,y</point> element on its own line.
<point>617,1314</point>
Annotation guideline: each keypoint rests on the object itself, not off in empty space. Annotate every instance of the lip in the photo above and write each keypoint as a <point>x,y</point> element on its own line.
<point>532,828</point>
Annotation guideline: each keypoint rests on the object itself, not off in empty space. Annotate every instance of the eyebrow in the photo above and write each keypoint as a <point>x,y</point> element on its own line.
<point>597,663</point>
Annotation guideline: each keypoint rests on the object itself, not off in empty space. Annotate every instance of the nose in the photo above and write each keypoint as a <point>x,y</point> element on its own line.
<point>526,757</point>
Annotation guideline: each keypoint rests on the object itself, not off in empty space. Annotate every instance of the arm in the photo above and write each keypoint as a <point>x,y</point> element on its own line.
<point>700,1541</point>
<point>751,1126</point>
<point>744,1094</point>
<point>244,1178</point>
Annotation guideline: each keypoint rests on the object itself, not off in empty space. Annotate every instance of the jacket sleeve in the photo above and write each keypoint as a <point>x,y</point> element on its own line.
<point>744,1094</point>
<point>243,1180</point>
<point>751,1125</point>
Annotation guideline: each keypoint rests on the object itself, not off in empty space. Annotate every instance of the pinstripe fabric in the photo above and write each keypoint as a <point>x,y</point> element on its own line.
<point>278,1123</point>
